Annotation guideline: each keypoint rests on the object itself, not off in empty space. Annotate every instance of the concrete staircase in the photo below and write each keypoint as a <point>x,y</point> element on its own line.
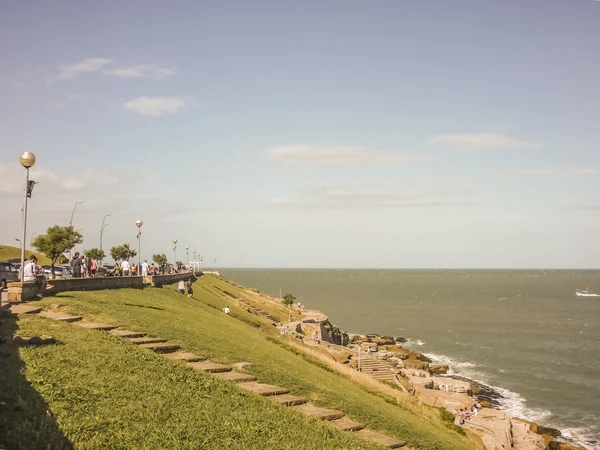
<point>374,367</point>
<point>244,381</point>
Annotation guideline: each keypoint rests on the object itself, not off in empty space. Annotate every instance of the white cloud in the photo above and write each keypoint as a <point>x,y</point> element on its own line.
<point>67,71</point>
<point>140,71</point>
<point>155,106</point>
<point>107,67</point>
<point>525,173</point>
<point>343,199</point>
<point>307,155</point>
<point>583,172</point>
<point>480,141</point>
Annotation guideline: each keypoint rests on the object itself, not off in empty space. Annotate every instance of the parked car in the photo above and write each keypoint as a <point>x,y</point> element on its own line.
<point>107,270</point>
<point>8,273</point>
<point>59,271</point>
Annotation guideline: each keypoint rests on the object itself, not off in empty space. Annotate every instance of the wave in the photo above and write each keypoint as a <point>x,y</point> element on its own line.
<point>411,343</point>
<point>511,402</point>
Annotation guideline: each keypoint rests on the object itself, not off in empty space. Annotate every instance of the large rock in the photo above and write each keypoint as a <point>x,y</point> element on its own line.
<point>439,369</point>
<point>416,364</point>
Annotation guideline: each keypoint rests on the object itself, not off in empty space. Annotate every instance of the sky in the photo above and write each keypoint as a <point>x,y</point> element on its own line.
<point>338,134</point>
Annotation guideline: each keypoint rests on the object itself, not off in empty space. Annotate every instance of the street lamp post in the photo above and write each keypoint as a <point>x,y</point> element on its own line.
<point>73,213</point>
<point>187,255</point>
<point>27,160</point>
<point>175,252</point>
<point>102,229</point>
<point>32,235</point>
<point>139,223</point>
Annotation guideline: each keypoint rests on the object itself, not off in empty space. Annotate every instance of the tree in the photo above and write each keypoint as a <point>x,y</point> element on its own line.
<point>56,241</point>
<point>95,253</point>
<point>122,252</point>
<point>288,299</point>
<point>179,263</point>
<point>160,259</point>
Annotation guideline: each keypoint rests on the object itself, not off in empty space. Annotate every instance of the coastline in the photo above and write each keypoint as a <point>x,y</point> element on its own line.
<point>572,433</point>
<point>533,435</point>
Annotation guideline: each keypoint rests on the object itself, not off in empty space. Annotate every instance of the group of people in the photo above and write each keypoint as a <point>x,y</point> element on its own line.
<point>83,266</point>
<point>466,413</point>
<point>126,269</point>
<point>186,288</point>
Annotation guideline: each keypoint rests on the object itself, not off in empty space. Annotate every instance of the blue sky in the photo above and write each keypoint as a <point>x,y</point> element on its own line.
<point>310,134</point>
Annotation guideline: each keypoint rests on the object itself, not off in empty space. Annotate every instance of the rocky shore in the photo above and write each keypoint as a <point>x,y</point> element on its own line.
<point>387,360</point>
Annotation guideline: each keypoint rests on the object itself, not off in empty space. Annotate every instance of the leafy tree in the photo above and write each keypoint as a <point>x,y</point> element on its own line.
<point>56,241</point>
<point>288,299</point>
<point>179,263</point>
<point>160,259</point>
<point>95,253</point>
<point>122,252</point>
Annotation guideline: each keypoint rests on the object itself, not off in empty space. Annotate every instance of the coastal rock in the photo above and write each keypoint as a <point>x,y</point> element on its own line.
<point>400,339</point>
<point>416,364</point>
<point>556,445</point>
<point>539,429</point>
<point>439,369</point>
<point>369,346</point>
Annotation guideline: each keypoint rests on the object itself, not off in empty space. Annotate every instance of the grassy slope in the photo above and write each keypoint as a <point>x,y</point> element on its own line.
<point>105,393</point>
<point>200,326</point>
<point>7,252</point>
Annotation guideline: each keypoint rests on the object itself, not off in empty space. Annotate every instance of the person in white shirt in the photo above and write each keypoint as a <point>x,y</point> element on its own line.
<point>226,310</point>
<point>125,268</point>
<point>145,268</point>
<point>33,272</point>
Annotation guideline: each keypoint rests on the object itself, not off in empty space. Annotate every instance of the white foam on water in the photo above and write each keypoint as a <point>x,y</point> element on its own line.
<point>411,343</point>
<point>582,437</point>
<point>512,402</point>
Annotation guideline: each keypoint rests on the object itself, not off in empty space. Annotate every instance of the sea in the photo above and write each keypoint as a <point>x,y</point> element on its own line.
<point>523,333</point>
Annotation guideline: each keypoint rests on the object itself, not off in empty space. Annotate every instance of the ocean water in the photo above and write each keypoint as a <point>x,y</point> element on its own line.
<point>523,332</point>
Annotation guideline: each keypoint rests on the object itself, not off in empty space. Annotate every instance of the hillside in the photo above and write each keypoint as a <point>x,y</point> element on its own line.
<point>7,252</point>
<point>105,393</point>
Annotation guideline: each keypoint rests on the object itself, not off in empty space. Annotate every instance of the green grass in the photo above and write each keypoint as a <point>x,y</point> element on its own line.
<point>102,392</point>
<point>201,327</point>
<point>7,252</point>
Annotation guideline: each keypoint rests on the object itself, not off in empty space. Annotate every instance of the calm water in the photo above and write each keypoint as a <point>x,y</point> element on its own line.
<point>523,332</point>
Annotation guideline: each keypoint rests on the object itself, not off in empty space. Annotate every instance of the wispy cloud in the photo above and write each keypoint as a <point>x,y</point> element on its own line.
<point>109,68</point>
<point>344,199</point>
<point>547,173</point>
<point>480,141</point>
<point>155,106</point>
<point>66,71</point>
<point>311,155</point>
<point>155,71</point>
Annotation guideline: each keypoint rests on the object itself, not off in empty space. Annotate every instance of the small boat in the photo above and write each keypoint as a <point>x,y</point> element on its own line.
<point>586,293</point>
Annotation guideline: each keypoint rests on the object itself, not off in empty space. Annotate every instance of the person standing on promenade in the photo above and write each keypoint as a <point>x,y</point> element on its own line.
<point>93,268</point>
<point>125,268</point>
<point>145,268</point>
<point>76,265</point>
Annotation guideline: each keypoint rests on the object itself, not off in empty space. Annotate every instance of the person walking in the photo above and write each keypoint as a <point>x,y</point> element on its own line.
<point>125,268</point>
<point>93,268</point>
<point>76,265</point>
<point>190,288</point>
<point>145,268</point>
<point>181,287</point>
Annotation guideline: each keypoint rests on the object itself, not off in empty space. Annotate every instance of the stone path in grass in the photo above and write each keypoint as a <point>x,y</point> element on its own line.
<point>224,372</point>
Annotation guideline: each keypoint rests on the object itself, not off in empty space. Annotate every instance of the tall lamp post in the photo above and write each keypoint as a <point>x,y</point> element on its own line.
<point>187,255</point>
<point>102,229</point>
<point>27,160</point>
<point>175,252</point>
<point>139,223</point>
<point>73,213</point>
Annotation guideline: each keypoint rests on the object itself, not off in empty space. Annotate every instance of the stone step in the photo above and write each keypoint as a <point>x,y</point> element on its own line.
<point>347,424</point>
<point>288,399</point>
<point>235,377</point>
<point>183,356</point>
<point>146,340</point>
<point>380,439</point>
<point>24,309</point>
<point>21,341</point>
<point>161,347</point>
<point>318,412</point>
<point>209,367</point>
<point>127,333</point>
<point>59,316</point>
<point>97,326</point>
<point>263,389</point>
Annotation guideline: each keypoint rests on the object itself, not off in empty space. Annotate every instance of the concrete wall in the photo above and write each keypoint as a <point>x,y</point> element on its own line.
<point>161,280</point>
<point>94,284</point>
